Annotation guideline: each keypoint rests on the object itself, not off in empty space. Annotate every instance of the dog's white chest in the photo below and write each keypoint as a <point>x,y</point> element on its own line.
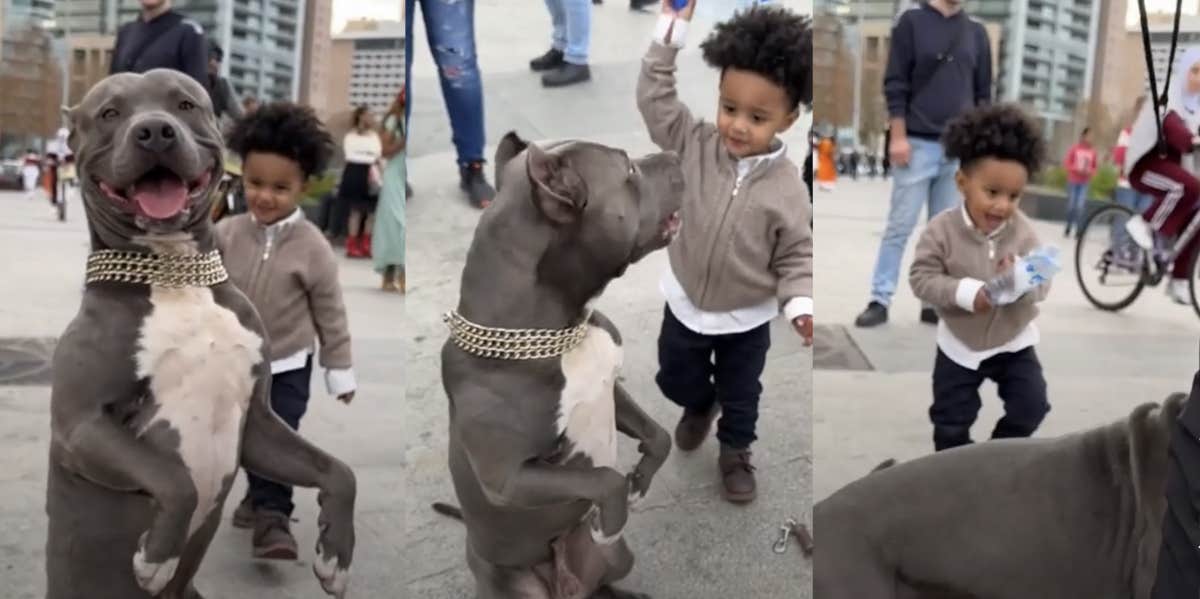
<point>198,360</point>
<point>586,410</point>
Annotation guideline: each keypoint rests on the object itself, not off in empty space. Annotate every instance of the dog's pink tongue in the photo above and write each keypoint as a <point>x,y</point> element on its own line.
<point>162,199</point>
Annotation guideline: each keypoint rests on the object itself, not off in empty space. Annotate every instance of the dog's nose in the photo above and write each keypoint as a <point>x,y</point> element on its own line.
<point>155,135</point>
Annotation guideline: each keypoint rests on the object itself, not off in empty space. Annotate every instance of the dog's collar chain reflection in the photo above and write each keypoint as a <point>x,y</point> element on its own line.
<point>156,270</point>
<point>514,344</point>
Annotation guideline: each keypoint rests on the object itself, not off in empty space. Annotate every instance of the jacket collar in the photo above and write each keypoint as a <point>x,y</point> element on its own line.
<point>966,216</point>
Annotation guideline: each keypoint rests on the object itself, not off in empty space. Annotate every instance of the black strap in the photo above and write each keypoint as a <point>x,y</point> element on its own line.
<point>1155,98</point>
<point>943,58</point>
<point>131,59</point>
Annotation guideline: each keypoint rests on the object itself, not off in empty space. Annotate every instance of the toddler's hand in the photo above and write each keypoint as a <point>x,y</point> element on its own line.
<point>346,398</point>
<point>804,327</point>
<point>982,303</point>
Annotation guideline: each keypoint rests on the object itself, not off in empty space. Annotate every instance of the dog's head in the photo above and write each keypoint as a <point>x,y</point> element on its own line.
<point>149,155</point>
<point>604,210</point>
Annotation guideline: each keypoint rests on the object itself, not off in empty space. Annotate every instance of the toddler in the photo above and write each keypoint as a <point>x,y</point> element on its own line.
<point>744,251</point>
<point>981,334</point>
<point>284,264</point>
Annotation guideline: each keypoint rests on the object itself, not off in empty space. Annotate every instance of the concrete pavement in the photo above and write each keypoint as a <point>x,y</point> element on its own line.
<point>1098,365</point>
<point>42,264</point>
<point>687,541</point>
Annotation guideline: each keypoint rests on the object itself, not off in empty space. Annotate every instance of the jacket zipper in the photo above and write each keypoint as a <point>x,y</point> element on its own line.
<point>712,250</point>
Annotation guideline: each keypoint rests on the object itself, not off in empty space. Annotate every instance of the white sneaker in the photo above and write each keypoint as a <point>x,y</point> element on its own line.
<point>1177,290</point>
<point>1140,232</point>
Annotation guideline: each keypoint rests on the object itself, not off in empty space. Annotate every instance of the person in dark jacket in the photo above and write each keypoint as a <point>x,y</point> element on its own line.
<point>161,39</point>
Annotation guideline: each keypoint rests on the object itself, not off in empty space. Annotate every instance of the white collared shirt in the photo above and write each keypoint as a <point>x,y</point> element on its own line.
<point>964,296</point>
<point>742,319</point>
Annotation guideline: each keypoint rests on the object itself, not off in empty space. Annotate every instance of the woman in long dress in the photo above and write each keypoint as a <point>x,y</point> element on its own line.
<point>388,241</point>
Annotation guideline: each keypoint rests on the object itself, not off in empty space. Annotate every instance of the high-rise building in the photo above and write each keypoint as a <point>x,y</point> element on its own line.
<point>39,13</point>
<point>367,65</point>
<point>316,60</point>
<point>263,39</point>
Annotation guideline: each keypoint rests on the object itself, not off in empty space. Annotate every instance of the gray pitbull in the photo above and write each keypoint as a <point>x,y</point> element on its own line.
<point>533,442</point>
<point>160,391</point>
<point>1078,516</point>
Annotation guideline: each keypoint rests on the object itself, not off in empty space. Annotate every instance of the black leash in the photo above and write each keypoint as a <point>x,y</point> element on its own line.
<point>1154,95</point>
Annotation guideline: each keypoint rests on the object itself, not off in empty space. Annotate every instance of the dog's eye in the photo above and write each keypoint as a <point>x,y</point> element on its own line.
<point>186,105</point>
<point>109,113</point>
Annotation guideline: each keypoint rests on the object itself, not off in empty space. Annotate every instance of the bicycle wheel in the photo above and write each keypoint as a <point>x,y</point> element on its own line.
<point>1195,272</point>
<point>1110,267</point>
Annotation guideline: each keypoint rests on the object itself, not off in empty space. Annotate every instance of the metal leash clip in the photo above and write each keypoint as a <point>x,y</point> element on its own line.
<point>785,533</point>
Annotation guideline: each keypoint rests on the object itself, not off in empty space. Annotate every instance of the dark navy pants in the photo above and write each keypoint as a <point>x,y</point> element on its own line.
<point>956,400</point>
<point>289,399</point>
<point>697,370</point>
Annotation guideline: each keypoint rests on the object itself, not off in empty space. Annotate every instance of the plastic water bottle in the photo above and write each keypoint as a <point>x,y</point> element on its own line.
<point>718,11</point>
<point>1027,273</point>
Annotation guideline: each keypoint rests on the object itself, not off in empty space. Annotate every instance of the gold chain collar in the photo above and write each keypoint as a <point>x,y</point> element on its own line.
<point>157,270</point>
<point>513,344</point>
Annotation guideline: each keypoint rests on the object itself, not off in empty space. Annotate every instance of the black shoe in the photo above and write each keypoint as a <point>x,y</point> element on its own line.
<point>407,190</point>
<point>475,183</point>
<point>552,59</point>
<point>640,4</point>
<point>929,316</point>
<point>597,1</point>
<point>567,74</point>
<point>874,315</point>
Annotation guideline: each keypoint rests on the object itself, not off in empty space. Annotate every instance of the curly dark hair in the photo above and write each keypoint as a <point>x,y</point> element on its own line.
<point>1000,131</point>
<point>286,129</point>
<point>771,41</point>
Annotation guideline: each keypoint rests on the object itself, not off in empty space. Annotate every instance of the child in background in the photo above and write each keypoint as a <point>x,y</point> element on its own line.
<point>284,264</point>
<point>744,252</point>
<point>979,336</point>
<point>1081,166</point>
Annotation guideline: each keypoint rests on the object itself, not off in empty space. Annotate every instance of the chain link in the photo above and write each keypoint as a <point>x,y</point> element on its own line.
<point>513,344</point>
<point>158,270</point>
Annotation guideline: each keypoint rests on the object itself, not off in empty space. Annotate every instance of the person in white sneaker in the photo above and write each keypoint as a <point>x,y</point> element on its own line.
<point>1165,171</point>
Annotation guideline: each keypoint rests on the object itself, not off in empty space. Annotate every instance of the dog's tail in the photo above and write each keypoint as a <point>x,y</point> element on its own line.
<point>448,510</point>
<point>888,463</point>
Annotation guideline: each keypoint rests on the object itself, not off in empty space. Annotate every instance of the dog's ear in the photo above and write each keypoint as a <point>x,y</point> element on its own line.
<point>559,192</point>
<point>509,147</point>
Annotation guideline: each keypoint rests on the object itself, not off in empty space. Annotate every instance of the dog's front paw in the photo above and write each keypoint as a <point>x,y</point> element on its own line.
<point>600,538</point>
<point>153,576</point>
<point>334,578</point>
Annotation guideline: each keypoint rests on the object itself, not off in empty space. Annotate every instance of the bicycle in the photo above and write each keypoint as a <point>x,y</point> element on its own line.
<point>1122,263</point>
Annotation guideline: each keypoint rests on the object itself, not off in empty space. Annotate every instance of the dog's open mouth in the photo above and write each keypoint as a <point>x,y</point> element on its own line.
<point>160,194</point>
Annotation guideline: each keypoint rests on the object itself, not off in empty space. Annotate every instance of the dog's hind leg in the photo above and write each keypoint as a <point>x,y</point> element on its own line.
<point>274,451</point>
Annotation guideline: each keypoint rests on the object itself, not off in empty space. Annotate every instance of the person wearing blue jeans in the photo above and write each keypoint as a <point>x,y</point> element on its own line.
<point>1076,206</point>
<point>939,68</point>
<point>450,29</point>
<point>925,181</point>
<point>566,62</point>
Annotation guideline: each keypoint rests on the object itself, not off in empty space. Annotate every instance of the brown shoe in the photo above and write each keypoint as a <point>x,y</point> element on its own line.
<point>273,536</point>
<point>737,475</point>
<point>693,427</point>
<point>243,516</point>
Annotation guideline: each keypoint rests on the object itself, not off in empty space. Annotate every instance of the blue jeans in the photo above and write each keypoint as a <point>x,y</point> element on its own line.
<point>1076,205</point>
<point>572,21</point>
<point>450,28</point>
<point>927,178</point>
